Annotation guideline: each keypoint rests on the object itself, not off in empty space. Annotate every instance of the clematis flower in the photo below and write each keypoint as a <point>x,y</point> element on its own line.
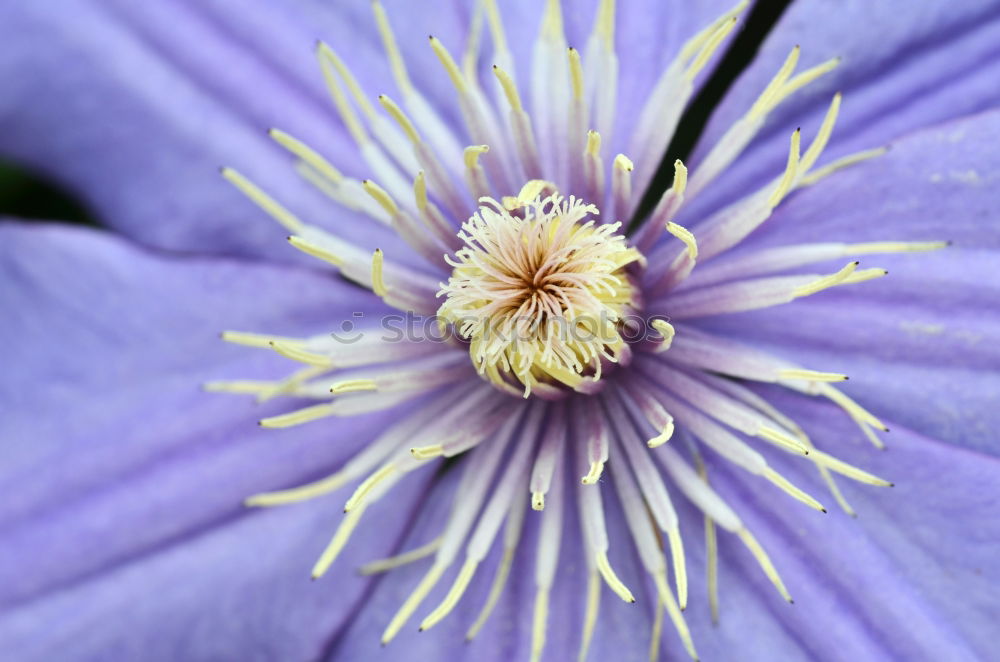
<point>659,456</point>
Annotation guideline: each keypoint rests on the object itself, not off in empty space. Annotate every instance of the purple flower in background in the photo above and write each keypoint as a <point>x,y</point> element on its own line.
<point>635,418</point>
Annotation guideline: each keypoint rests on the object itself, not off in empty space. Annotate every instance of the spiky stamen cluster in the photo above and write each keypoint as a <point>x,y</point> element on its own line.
<point>544,255</point>
<point>539,289</point>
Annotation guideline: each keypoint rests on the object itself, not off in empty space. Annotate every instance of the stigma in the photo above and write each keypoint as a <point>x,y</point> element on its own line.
<point>540,290</point>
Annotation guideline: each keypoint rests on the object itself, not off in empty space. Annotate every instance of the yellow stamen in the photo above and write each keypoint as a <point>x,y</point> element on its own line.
<point>401,119</point>
<point>848,470</point>
<point>611,579</point>
<point>307,154</point>
<point>822,136</point>
<point>396,61</point>
<point>896,247</point>
<point>576,73</point>
<point>712,567</point>
<point>329,64</point>
<point>261,340</point>
<point>298,417</point>
<point>685,236</point>
<point>380,196</point>
<point>596,469</point>
<point>865,275</point>
<point>393,562</point>
<point>711,549</point>
<point>791,170</point>
<point>353,386</point>
<point>367,485</point>
<point>840,164</point>
<point>242,386</point>
<point>623,163</point>
<point>811,375</point>
<point>590,615</point>
<point>552,22</point>
<point>275,209</point>
<point>298,494</point>
<point>336,544</point>
<point>472,154</point>
<point>665,329</point>
<point>855,410</point>
<point>496,27</point>
<point>668,600</point>
<point>765,102</point>
<point>378,284</point>
<point>782,440</point>
<point>427,452</point>
<point>453,596</point>
<point>539,622</point>
<point>288,384</point>
<point>315,250</point>
<point>499,580</point>
<point>353,87</point>
<point>593,144</point>
<point>680,178</point>
<point>710,47</point>
<point>680,567</point>
<point>604,24</point>
<point>825,282</point>
<point>694,44</point>
<point>793,491</point>
<point>509,89</point>
<point>764,561</point>
<point>295,352</point>
<point>412,602</point>
<point>454,73</point>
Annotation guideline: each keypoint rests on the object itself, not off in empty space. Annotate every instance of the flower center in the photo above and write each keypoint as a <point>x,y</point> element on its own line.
<point>540,290</point>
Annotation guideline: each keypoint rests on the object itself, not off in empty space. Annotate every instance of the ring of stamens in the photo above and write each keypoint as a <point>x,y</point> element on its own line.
<point>539,289</point>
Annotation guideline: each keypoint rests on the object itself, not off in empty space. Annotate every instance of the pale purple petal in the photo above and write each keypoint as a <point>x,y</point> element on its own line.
<point>135,106</point>
<point>910,578</point>
<point>923,333</point>
<point>905,66</point>
<point>123,482</point>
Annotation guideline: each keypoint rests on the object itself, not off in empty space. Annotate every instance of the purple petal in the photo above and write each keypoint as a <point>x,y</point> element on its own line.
<point>909,578</point>
<point>123,482</point>
<point>136,106</point>
<point>916,344</point>
<point>904,67</point>
<point>160,94</point>
<point>623,629</point>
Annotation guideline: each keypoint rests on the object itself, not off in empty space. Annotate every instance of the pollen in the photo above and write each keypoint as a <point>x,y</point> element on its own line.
<point>539,290</point>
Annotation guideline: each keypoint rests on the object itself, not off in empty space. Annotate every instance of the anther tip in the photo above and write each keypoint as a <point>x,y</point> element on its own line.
<point>949,243</point>
<point>790,601</point>
<point>420,629</point>
<point>891,485</point>
<point>823,510</point>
